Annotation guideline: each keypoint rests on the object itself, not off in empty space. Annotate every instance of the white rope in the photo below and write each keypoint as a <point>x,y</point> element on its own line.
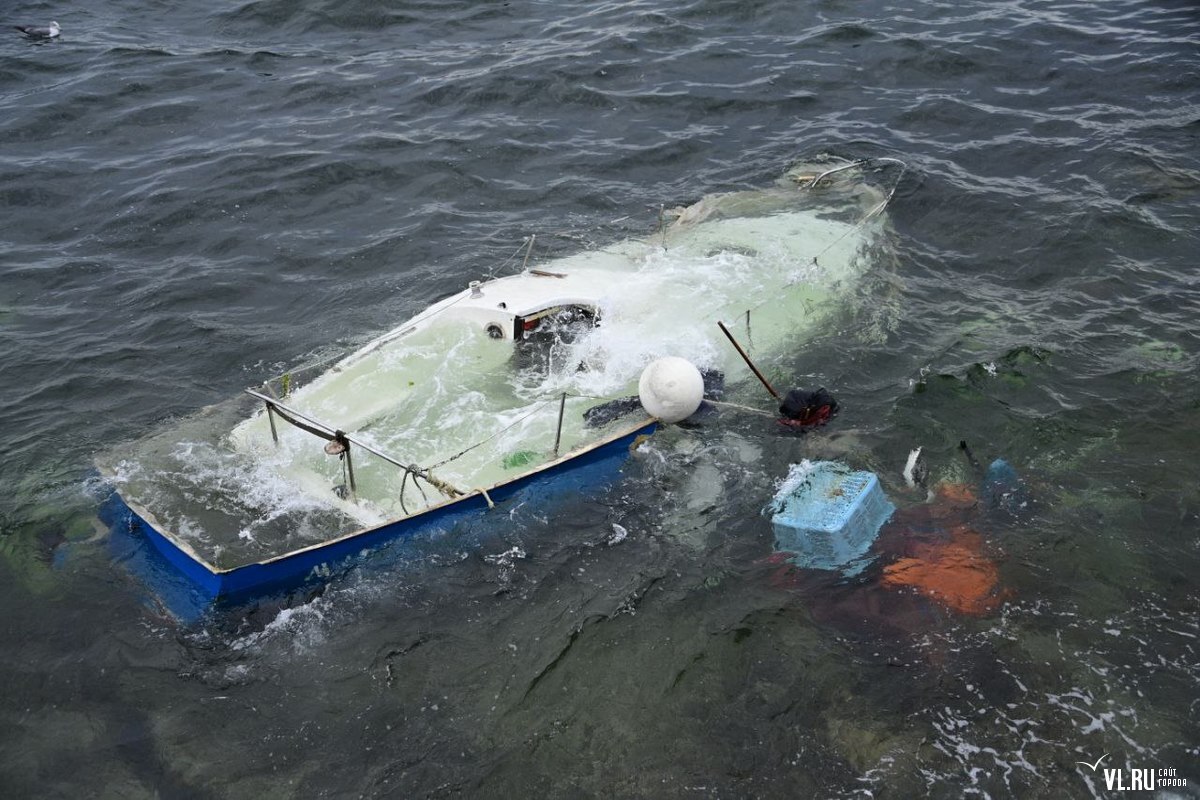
<point>740,407</point>
<point>508,427</point>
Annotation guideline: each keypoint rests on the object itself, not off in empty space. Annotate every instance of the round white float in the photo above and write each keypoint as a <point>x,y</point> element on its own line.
<point>671,389</point>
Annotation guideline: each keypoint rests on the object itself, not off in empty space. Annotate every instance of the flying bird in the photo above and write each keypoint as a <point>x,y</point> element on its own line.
<point>40,32</point>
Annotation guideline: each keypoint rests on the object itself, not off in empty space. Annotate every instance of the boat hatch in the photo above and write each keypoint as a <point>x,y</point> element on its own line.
<point>564,320</point>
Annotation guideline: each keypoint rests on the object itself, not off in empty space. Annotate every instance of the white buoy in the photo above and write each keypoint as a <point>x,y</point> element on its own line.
<point>671,389</point>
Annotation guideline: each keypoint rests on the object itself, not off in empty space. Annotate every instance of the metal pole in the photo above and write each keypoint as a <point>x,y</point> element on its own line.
<point>349,464</point>
<point>562,405</point>
<point>529,251</point>
<point>329,432</point>
<point>749,363</point>
<point>271,419</point>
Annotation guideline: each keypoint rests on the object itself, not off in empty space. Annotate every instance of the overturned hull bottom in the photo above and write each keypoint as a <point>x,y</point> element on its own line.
<point>188,587</point>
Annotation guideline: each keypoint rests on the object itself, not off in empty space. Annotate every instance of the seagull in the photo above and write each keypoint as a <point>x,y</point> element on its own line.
<point>38,32</point>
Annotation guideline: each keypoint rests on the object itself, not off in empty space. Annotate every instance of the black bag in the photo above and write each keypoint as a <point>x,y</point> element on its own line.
<point>808,408</point>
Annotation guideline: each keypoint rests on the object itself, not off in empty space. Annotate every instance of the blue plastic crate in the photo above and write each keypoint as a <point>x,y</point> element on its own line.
<point>828,515</point>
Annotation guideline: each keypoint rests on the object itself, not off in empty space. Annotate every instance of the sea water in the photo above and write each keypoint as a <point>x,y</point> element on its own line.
<point>199,196</point>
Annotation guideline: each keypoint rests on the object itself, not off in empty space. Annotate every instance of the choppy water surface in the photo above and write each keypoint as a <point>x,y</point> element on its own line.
<point>195,199</point>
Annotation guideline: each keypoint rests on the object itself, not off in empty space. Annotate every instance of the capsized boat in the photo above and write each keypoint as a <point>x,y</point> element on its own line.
<point>487,391</point>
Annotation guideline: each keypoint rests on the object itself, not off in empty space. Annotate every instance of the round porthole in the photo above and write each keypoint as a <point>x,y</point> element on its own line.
<point>495,331</point>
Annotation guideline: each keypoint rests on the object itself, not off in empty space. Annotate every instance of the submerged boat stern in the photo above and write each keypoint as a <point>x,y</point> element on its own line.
<point>189,586</point>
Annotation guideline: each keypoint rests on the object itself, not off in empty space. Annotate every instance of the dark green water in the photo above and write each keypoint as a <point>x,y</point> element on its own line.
<point>196,199</point>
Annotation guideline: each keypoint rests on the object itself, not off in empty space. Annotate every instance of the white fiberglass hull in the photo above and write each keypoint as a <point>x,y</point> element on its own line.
<point>470,390</point>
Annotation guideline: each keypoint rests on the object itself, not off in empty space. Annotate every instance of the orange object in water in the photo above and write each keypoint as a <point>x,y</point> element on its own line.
<point>955,573</point>
<point>958,495</point>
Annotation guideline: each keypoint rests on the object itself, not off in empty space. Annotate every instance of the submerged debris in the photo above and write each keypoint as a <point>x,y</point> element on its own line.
<point>957,574</point>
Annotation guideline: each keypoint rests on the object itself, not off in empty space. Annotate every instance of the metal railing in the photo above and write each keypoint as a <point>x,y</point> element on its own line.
<point>339,443</point>
<point>343,440</point>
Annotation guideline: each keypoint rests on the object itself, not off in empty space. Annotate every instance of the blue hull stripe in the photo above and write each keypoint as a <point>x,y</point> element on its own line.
<point>319,562</point>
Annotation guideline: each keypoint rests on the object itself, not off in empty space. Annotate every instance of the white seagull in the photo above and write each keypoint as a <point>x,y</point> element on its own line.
<point>39,32</point>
